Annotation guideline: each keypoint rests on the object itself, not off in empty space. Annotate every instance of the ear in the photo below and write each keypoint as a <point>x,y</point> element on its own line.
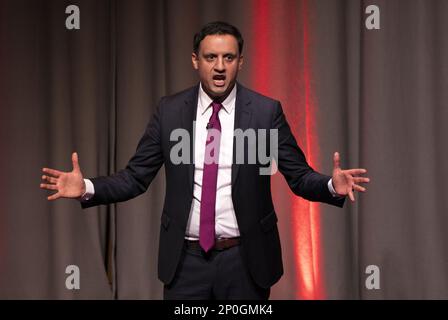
<point>240,62</point>
<point>195,60</point>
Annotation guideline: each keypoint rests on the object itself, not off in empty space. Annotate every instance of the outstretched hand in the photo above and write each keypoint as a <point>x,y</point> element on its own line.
<point>67,184</point>
<point>346,182</point>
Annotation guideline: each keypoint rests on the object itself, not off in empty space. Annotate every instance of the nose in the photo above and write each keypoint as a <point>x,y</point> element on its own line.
<point>219,65</point>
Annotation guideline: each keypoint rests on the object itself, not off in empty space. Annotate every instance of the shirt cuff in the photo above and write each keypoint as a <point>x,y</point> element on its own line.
<point>330,188</point>
<point>90,191</point>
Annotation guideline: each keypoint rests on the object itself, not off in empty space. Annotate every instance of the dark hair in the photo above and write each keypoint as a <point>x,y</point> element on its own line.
<point>217,27</point>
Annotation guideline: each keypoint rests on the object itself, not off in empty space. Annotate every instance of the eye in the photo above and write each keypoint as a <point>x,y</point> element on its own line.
<point>229,58</point>
<point>210,57</point>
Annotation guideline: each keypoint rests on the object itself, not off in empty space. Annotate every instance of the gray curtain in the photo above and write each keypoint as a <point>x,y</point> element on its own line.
<point>381,102</point>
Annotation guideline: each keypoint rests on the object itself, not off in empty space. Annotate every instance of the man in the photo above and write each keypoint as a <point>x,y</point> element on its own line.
<point>218,234</point>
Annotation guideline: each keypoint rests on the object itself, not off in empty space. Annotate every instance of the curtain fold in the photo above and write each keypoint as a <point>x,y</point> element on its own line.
<point>376,96</point>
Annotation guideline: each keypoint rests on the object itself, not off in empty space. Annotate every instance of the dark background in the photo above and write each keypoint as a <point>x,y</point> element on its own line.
<point>379,97</point>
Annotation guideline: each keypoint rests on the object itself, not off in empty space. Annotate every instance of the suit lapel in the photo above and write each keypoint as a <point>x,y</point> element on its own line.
<point>188,116</point>
<point>243,114</point>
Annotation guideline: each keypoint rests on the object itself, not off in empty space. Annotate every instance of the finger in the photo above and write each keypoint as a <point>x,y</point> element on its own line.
<point>351,195</point>
<point>48,186</point>
<point>49,179</point>
<point>355,172</point>
<point>54,196</point>
<point>361,179</point>
<point>75,161</point>
<point>336,161</point>
<point>53,172</point>
<point>359,188</point>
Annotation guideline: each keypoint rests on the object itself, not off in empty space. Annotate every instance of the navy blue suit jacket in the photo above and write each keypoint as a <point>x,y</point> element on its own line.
<point>251,192</point>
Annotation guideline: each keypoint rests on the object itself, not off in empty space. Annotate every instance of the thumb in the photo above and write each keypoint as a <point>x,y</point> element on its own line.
<point>336,161</point>
<point>75,162</point>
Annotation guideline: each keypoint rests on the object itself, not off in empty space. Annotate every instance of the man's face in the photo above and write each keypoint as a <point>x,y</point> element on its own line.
<point>218,62</point>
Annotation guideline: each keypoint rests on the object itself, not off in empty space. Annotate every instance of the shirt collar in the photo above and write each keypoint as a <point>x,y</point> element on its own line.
<point>205,101</point>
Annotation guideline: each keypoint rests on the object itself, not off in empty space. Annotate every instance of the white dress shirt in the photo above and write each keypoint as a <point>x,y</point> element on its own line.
<point>226,225</point>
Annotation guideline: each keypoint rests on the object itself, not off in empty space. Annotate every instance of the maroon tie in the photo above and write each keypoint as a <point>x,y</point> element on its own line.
<point>209,180</point>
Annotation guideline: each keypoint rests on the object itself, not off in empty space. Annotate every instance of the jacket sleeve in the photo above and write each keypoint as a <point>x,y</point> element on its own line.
<point>139,172</point>
<point>301,178</point>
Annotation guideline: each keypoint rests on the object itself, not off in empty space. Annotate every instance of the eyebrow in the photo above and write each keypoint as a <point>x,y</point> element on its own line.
<point>206,54</point>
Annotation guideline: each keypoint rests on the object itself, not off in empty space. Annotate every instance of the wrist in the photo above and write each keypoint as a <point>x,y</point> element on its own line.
<point>332,189</point>
<point>83,189</point>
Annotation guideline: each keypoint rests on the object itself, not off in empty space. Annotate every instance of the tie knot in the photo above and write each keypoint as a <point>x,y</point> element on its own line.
<point>216,106</point>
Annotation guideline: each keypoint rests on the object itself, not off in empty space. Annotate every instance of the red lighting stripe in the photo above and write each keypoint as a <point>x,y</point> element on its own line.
<point>261,32</point>
<point>286,73</point>
<point>308,227</point>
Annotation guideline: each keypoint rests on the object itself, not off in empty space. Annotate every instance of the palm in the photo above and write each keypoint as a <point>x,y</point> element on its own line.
<point>342,181</point>
<point>67,184</point>
<point>345,182</point>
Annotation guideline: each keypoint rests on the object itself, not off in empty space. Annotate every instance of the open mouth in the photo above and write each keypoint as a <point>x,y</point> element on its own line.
<point>219,80</point>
